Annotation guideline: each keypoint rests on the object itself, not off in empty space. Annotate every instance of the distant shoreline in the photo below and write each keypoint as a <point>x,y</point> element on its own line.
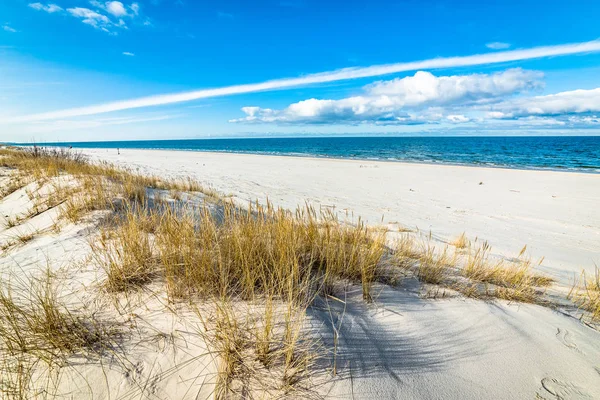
<point>409,150</point>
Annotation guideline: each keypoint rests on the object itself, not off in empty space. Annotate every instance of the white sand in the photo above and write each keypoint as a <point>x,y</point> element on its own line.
<point>556,214</point>
<point>162,356</point>
<point>403,346</point>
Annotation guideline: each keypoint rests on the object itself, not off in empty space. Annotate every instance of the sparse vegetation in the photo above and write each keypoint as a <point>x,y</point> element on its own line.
<point>586,294</point>
<point>434,266</point>
<point>251,273</point>
<point>38,332</point>
<point>25,237</point>
<point>461,242</point>
<point>512,281</point>
<point>125,253</point>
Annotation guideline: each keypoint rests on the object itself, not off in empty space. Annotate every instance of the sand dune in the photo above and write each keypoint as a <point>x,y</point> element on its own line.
<point>414,341</point>
<point>554,213</point>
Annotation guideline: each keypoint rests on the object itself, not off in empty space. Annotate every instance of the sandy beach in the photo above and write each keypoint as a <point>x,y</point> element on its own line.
<point>554,213</point>
<point>415,340</point>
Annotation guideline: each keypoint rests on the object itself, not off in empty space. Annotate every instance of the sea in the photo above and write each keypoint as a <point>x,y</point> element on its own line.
<point>567,153</point>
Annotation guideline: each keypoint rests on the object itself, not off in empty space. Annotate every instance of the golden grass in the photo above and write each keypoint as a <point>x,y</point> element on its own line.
<point>223,256</point>
<point>42,163</point>
<point>38,332</point>
<point>25,237</point>
<point>513,280</point>
<point>228,256</point>
<point>587,294</point>
<point>125,253</point>
<point>262,250</point>
<point>260,347</point>
<point>434,266</point>
<point>15,183</point>
<point>43,326</point>
<point>11,222</point>
<point>461,242</point>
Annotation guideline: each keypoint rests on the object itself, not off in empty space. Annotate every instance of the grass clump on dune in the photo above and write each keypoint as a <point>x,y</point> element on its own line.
<point>587,295</point>
<point>126,254</point>
<point>38,333</point>
<point>434,266</point>
<point>461,242</point>
<point>257,271</point>
<point>511,280</point>
<point>39,324</point>
<point>262,250</point>
<point>252,273</point>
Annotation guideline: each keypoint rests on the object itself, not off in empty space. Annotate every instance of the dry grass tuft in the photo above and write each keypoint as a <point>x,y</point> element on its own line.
<point>99,184</point>
<point>514,281</point>
<point>587,295</point>
<point>11,222</point>
<point>261,347</point>
<point>262,250</point>
<point>434,266</point>
<point>126,254</point>
<point>461,242</point>
<point>25,237</point>
<point>38,332</point>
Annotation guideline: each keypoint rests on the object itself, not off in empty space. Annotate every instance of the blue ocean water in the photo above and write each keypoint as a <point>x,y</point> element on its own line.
<point>556,153</point>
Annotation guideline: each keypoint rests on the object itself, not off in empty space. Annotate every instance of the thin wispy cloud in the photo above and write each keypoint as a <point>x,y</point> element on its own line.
<point>49,8</point>
<point>560,104</point>
<point>90,17</point>
<point>128,54</point>
<point>324,77</point>
<point>108,16</point>
<point>65,125</point>
<point>497,45</point>
<point>9,29</point>
<point>117,8</point>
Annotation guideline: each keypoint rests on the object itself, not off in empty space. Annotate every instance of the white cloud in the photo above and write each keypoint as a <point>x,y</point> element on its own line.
<point>564,103</point>
<point>129,54</point>
<point>497,45</point>
<point>116,8</point>
<point>100,16</point>
<point>413,99</point>
<point>65,125</point>
<point>49,8</point>
<point>330,76</point>
<point>90,17</point>
<point>425,87</point>
<point>9,29</point>
<point>458,119</point>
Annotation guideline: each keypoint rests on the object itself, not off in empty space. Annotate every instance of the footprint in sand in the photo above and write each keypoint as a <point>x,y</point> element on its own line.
<point>565,337</point>
<point>564,390</point>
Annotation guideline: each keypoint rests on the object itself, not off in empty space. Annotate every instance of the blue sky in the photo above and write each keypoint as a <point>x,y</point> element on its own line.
<point>83,70</point>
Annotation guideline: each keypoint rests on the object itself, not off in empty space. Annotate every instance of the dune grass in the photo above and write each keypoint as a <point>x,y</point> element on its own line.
<point>270,262</point>
<point>24,237</point>
<point>257,269</point>
<point>38,333</point>
<point>125,253</point>
<point>586,294</point>
<point>434,266</point>
<point>515,281</point>
<point>262,250</point>
<point>461,242</point>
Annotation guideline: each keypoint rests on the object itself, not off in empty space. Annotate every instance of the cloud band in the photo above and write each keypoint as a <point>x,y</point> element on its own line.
<point>331,76</point>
